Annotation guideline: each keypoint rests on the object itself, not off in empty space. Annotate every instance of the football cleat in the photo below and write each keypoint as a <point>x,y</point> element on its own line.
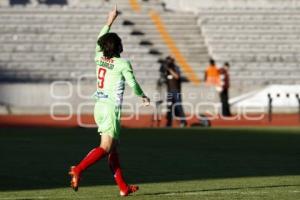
<point>74,178</point>
<point>130,189</point>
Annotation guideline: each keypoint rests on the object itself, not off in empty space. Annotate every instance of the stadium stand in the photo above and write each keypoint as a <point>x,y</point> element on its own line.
<point>43,43</point>
<point>261,44</point>
<point>46,41</point>
<point>56,43</point>
<point>39,38</point>
<point>259,39</point>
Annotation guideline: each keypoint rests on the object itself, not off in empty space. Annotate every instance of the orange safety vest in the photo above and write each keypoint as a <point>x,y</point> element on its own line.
<point>212,76</point>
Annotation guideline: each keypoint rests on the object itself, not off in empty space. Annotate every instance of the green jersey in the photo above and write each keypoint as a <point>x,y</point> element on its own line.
<point>112,75</point>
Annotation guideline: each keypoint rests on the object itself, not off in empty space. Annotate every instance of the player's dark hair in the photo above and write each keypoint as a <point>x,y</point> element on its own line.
<point>211,61</point>
<point>111,45</point>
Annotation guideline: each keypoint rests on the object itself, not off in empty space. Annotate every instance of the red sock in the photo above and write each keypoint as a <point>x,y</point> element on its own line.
<point>114,164</point>
<point>93,156</point>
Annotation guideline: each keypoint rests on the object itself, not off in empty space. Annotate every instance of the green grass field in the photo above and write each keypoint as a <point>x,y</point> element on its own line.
<point>172,164</point>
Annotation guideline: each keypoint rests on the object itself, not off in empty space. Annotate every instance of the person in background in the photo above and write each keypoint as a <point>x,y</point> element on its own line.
<point>212,76</point>
<point>173,80</point>
<point>225,84</point>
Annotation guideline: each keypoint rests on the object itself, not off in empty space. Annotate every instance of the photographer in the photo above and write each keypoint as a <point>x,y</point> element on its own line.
<point>171,74</point>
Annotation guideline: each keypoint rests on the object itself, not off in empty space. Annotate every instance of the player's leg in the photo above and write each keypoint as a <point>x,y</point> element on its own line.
<point>114,164</point>
<point>106,118</point>
<point>92,157</point>
<point>107,142</point>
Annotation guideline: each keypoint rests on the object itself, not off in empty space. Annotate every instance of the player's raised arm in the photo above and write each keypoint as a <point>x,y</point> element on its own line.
<point>112,15</point>
<point>131,81</point>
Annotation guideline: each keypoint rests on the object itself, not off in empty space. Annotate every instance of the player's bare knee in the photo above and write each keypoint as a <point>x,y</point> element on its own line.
<point>106,147</point>
<point>107,143</point>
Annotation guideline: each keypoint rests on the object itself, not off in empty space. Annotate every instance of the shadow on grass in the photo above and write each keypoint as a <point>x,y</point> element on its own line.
<point>38,158</point>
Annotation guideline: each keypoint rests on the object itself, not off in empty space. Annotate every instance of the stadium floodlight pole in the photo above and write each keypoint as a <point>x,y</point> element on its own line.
<point>270,107</point>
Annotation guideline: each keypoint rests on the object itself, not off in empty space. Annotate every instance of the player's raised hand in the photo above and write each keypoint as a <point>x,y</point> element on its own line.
<point>146,101</point>
<point>112,15</point>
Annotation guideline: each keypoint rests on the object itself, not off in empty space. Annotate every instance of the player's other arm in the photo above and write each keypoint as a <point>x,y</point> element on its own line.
<point>131,81</point>
<point>112,15</point>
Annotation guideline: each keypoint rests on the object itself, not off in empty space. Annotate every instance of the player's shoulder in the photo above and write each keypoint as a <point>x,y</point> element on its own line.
<point>123,62</point>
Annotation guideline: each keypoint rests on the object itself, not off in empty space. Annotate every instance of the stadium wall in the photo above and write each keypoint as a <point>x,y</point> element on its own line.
<point>63,97</point>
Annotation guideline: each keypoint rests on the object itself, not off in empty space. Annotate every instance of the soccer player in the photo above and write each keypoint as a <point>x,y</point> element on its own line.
<point>112,72</point>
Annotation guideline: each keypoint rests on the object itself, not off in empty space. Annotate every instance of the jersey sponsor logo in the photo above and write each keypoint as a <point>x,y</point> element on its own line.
<point>105,64</point>
<point>101,95</point>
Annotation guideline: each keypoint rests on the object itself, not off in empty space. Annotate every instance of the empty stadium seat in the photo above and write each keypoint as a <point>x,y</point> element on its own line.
<point>40,42</point>
<point>262,39</point>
